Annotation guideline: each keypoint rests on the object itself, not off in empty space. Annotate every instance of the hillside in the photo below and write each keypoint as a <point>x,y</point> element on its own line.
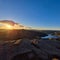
<point>27,45</point>
<point>25,49</point>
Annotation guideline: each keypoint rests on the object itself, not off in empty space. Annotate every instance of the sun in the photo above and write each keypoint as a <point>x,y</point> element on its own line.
<point>8,26</point>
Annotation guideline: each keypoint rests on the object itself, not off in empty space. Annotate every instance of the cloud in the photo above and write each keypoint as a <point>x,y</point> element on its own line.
<point>14,24</point>
<point>8,22</point>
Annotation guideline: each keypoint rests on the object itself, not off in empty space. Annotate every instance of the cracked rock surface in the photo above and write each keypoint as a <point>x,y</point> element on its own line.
<point>29,50</point>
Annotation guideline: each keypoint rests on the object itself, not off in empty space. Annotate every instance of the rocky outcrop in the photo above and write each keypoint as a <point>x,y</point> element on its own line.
<point>44,49</point>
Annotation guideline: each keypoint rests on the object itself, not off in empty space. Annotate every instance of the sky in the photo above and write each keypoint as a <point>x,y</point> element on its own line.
<point>40,14</point>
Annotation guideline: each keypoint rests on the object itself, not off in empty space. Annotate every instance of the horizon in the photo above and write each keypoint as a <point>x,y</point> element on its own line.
<point>17,25</point>
<point>38,14</point>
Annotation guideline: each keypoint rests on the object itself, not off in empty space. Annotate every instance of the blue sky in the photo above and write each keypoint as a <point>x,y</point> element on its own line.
<point>34,13</point>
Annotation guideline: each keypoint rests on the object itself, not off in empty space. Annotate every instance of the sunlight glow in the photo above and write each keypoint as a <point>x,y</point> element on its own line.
<point>12,27</point>
<point>7,26</point>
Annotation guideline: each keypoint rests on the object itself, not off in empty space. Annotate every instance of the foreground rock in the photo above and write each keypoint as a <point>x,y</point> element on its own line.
<point>25,49</point>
